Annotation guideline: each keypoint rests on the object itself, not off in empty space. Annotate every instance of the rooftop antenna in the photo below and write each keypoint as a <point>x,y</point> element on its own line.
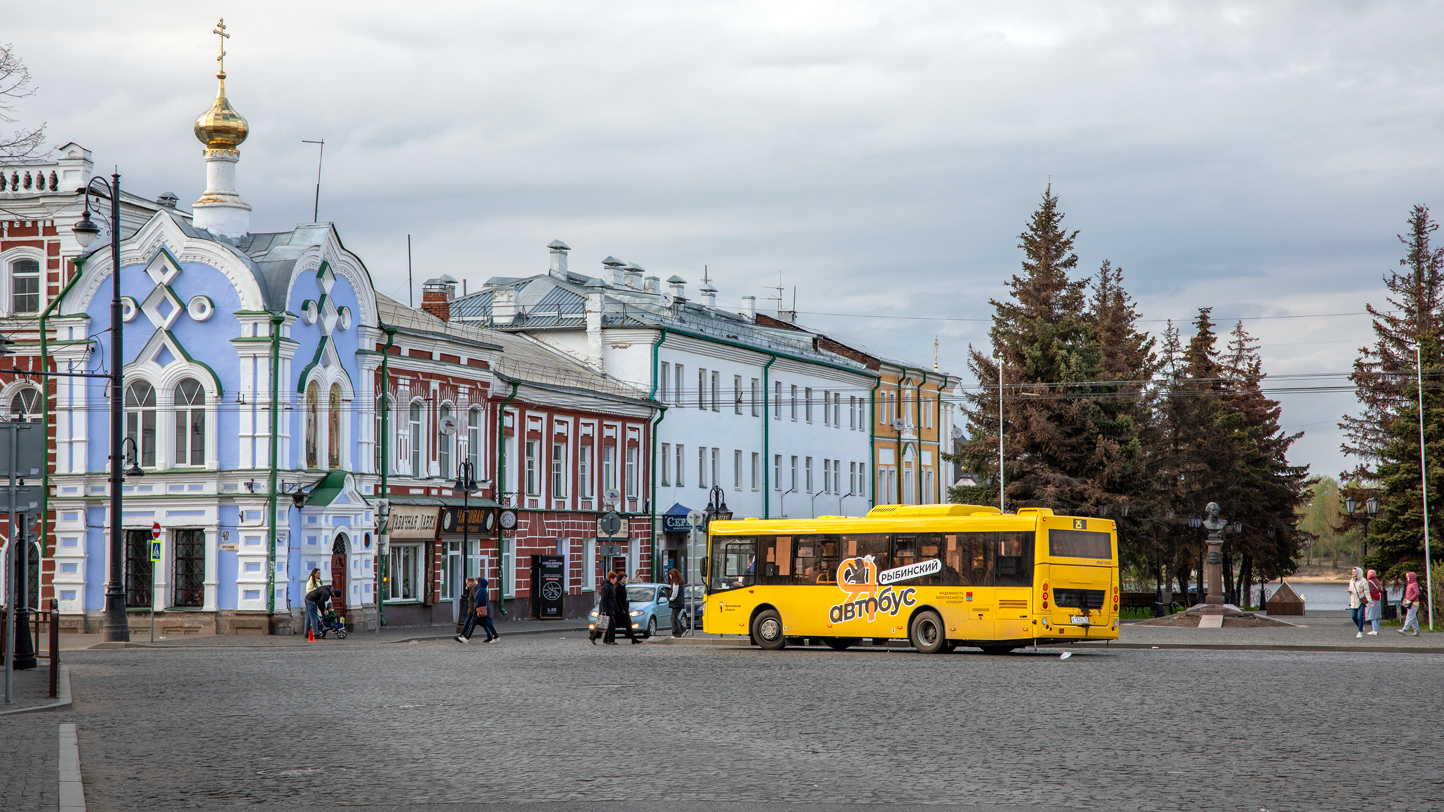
<point>706,280</point>
<point>935,353</point>
<point>778,297</point>
<point>409,283</point>
<point>316,212</point>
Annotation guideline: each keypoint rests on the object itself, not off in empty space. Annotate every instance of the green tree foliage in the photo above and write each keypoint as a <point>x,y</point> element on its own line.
<point>1384,436</point>
<point>1096,422</point>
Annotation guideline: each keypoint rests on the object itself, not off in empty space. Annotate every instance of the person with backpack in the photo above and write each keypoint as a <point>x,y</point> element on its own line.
<point>1410,604</point>
<point>1376,602</point>
<point>1358,599</point>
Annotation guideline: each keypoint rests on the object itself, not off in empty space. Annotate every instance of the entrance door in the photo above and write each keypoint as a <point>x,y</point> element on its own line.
<point>338,575</point>
<point>619,564</point>
<point>452,579</point>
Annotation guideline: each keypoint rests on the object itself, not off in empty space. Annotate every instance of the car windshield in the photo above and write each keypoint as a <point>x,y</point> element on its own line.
<point>640,594</point>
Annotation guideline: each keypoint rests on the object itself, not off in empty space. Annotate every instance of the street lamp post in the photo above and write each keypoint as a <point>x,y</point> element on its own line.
<point>1371,509</point>
<point>116,628</point>
<point>466,484</point>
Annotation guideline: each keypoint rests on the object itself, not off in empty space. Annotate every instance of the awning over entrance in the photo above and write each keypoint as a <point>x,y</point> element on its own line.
<point>674,519</point>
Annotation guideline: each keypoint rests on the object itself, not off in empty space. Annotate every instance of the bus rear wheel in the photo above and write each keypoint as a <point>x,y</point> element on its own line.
<point>767,630</point>
<point>841,643</point>
<point>926,633</point>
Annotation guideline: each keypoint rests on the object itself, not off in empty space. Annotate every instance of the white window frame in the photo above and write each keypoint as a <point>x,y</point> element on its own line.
<point>737,394</point>
<point>404,556</point>
<point>756,398</point>
<point>702,467</point>
<point>665,475</point>
<point>808,471</point>
<point>681,466</point>
<point>584,470</point>
<point>664,383</point>
<point>807,403</point>
<point>756,469</point>
<point>737,469</point>
<point>630,489</point>
<point>532,479</point>
<point>794,403</point>
<point>559,470</point>
<point>716,387</point>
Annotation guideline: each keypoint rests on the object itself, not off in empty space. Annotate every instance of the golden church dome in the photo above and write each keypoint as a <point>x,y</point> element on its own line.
<point>221,127</point>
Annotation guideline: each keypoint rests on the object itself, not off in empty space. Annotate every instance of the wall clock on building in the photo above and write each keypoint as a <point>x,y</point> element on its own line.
<point>508,519</point>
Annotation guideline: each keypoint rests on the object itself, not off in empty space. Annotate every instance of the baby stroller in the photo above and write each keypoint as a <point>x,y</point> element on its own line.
<point>332,622</point>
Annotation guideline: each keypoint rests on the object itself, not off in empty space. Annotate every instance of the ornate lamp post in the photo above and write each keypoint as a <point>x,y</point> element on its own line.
<point>465,484</point>
<point>1371,509</point>
<point>116,628</point>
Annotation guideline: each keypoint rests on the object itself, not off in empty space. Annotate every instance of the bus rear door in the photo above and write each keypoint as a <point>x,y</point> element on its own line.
<point>1079,575</point>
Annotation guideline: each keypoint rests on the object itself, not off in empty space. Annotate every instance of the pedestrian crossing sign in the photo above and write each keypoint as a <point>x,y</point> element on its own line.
<point>155,550</point>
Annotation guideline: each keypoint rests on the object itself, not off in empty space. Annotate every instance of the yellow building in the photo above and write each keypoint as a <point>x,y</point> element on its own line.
<point>912,421</point>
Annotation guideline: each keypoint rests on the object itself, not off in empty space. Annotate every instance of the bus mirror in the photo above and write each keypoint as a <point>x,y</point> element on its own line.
<point>704,569</point>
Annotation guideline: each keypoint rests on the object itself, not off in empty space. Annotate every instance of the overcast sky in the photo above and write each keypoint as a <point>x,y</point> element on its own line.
<point>1258,158</point>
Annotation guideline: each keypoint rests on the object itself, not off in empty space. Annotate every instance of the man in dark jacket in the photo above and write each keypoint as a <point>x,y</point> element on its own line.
<point>623,608</point>
<point>481,614</point>
<point>607,609</point>
<point>465,605</point>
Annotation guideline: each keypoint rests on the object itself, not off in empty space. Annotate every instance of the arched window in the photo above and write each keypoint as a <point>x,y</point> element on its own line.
<point>25,286</point>
<point>417,446</point>
<point>190,423</point>
<point>473,440</point>
<point>140,420</point>
<point>444,442</point>
<point>333,428</point>
<point>313,425</point>
<point>25,405</point>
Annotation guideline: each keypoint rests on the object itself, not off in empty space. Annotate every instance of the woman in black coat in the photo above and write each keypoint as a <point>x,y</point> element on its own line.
<point>622,614</point>
<point>606,609</point>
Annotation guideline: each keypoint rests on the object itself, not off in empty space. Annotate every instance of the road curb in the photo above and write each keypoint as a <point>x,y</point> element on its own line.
<point>510,633</point>
<point>62,688</point>
<point>1266,647</point>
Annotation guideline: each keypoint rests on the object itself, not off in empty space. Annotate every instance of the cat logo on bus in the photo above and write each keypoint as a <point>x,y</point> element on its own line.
<point>859,578</point>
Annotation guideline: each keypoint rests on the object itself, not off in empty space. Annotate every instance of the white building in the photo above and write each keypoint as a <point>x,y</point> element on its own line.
<point>764,411</point>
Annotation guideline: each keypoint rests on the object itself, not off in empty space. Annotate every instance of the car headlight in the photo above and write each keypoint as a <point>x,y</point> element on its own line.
<point>636,613</point>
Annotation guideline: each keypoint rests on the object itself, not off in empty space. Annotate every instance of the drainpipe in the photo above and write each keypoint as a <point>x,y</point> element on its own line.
<point>872,441</point>
<point>918,483</point>
<point>767,438</point>
<point>904,378</point>
<point>501,492</point>
<point>382,563</point>
<point>277,319</point>
<point>661,414</point>
<point>44,517</point>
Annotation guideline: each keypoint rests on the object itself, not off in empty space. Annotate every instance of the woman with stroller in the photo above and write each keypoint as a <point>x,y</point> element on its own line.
<point>313,611</point>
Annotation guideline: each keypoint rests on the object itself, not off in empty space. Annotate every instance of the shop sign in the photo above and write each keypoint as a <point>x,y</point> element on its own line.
<point>413,521</point>
<point>675,524</point>
<point>477,521</point>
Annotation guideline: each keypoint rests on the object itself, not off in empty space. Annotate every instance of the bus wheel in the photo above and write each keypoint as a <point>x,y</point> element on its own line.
<point>767,630</point>
<point>926,633</point>
<point>841,643</point>
<point>997,649</point>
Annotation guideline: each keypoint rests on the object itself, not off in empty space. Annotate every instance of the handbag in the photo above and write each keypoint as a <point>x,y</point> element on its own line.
<point>481,611</point>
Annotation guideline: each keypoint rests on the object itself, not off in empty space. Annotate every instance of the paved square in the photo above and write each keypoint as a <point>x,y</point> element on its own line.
<point>543,719</point>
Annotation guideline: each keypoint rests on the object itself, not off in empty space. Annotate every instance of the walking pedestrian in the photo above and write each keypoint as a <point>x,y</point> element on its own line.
<point>674,597</point>
<point>1376,602</point>
<point>466,619</point>
<point>1358,599</point>
<point>313,611</point>
<point>1411,603</point>
<point>606,609</point>
<point>483,610</point>
<point>622,608</point>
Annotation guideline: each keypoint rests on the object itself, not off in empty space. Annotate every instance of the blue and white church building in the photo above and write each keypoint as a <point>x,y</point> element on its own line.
<point>247,395</point>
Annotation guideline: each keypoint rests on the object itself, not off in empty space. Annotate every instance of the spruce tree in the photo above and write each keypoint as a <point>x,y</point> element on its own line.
<point>1384,436</point>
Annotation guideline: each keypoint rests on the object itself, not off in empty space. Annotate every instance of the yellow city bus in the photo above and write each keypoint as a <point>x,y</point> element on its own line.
<point>940,576</point>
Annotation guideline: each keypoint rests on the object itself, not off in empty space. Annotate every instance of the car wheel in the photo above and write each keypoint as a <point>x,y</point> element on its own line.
<point>841,643</point>
<point>767,630</point>
<point>997,649</point>
<point>926,633</point>
<point>652,627</point>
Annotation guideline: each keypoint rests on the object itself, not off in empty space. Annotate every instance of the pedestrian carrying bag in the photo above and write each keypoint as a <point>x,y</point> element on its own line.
<point>481,611</point>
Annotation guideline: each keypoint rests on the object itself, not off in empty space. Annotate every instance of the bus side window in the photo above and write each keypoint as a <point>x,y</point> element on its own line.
<point>1014,564</point>
<point>767,554</point>
<point>739,563</point>
<point>954,573</point>
<point>979,558</point>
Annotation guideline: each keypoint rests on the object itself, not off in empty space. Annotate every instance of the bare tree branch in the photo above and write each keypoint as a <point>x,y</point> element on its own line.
<point>15,84</point>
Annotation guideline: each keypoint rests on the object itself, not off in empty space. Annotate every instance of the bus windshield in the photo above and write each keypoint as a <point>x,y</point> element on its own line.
<point>1079,544</point>
<point>734,563</point>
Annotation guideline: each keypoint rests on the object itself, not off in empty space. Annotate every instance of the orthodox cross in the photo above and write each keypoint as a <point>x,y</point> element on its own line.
<point>220,29</point>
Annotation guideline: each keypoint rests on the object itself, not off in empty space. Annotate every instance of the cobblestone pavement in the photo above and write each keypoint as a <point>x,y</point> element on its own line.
<point>538,718</point>
<point>29,761</point>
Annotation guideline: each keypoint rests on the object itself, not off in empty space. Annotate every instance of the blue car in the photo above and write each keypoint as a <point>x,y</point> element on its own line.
<point>650,610</point>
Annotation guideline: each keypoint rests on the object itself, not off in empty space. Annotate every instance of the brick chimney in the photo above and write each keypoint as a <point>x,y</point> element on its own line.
<point>503,306</point>
<point>750,307</point>
<point>436,296</point>
<point>559,251</point>
<point>596,292</point>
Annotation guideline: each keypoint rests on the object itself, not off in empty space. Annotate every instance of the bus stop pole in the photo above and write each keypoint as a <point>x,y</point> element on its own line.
<point>691,593</point>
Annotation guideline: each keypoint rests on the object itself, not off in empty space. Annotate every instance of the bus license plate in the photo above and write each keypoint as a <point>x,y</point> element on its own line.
<point>1080,620</point>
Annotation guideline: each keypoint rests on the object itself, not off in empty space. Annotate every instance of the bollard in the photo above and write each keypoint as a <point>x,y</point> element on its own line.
<point>54,648</point>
